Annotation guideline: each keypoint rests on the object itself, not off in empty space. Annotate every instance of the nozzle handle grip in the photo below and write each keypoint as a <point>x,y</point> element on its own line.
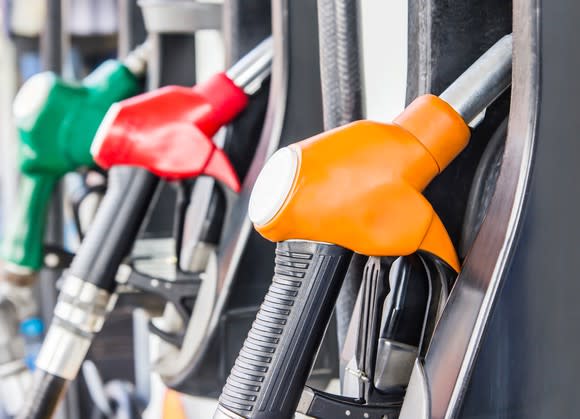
<point>404,308</point>
<point>23,243</point>
<point>272,368</point>
<point>114,230</point>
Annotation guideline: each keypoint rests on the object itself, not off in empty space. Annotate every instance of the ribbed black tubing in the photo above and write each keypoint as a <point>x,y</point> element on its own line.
<point>340,68</point>
<point>271,370</point>
<point>340,72</point>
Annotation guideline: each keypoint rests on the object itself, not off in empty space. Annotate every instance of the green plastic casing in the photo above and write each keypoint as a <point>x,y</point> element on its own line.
<point>55,139</point>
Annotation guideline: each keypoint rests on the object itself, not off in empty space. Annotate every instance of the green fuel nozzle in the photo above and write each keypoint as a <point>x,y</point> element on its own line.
<point>56,122</point>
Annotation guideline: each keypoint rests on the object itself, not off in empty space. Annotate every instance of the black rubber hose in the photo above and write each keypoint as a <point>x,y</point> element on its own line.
<point>340,73</point>
<point>339,62</point>
<point>48,390</point>
<point>115,227</point>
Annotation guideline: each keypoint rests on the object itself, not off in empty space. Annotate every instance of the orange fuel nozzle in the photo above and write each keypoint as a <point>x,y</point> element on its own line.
<point>359,186</point>
<point>356,188</point>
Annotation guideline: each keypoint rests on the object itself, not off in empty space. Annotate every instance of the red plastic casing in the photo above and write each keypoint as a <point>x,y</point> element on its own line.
<point>169,131</point>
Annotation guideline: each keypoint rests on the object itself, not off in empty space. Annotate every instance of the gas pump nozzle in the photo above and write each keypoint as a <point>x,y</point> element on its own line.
<point>321,200</point>
<point>56,122</point>
<point>164,133</point>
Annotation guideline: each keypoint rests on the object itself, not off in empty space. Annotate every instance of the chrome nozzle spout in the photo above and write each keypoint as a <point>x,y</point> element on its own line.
<point>481,84</point>
<point>253,68</point>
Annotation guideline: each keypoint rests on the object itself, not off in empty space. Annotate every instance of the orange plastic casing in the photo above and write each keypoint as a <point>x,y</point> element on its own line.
<point>359,186</point>
<point>173,405</point>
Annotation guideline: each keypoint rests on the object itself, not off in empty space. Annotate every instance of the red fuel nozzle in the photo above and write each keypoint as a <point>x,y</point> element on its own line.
<point>169,131</point>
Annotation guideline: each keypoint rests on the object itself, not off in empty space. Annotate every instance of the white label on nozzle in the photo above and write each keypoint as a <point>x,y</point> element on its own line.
<point>273,185</point>
<point>104,129</point>
<point>31,98</point>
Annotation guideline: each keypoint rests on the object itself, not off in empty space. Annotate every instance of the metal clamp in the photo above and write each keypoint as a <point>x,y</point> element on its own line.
<point>79,314</point>
<point>64,364</point>
<point>180,16</point>
<point>82,305</point>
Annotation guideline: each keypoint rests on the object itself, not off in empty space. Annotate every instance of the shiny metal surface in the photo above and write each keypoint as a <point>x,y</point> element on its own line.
<point>82,305</point>
<point>528,359</point>
<point>482,82</point>
<point>252,69</point>
<point>453,351</point>
<point>180,16</point>
<point>198,257</point>
<point>305,400</point>
<point>350,383</point>
<point>142,354</point>
<point>79,313</point>
<point>395,362</point>
<point>136,60</point>
<point>154,257</point>
<point>65,364</point>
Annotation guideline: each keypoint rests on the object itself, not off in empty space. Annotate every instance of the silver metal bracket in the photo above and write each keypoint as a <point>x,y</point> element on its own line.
<point>82,305</point>
<point>359,374</point>
<point>79,313</point>
<point>180,16</point>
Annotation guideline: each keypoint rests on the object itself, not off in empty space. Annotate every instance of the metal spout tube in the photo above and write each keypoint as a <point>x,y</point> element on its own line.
<point>136,60</point>
<point>481,84</point>
<point>253,68</point>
